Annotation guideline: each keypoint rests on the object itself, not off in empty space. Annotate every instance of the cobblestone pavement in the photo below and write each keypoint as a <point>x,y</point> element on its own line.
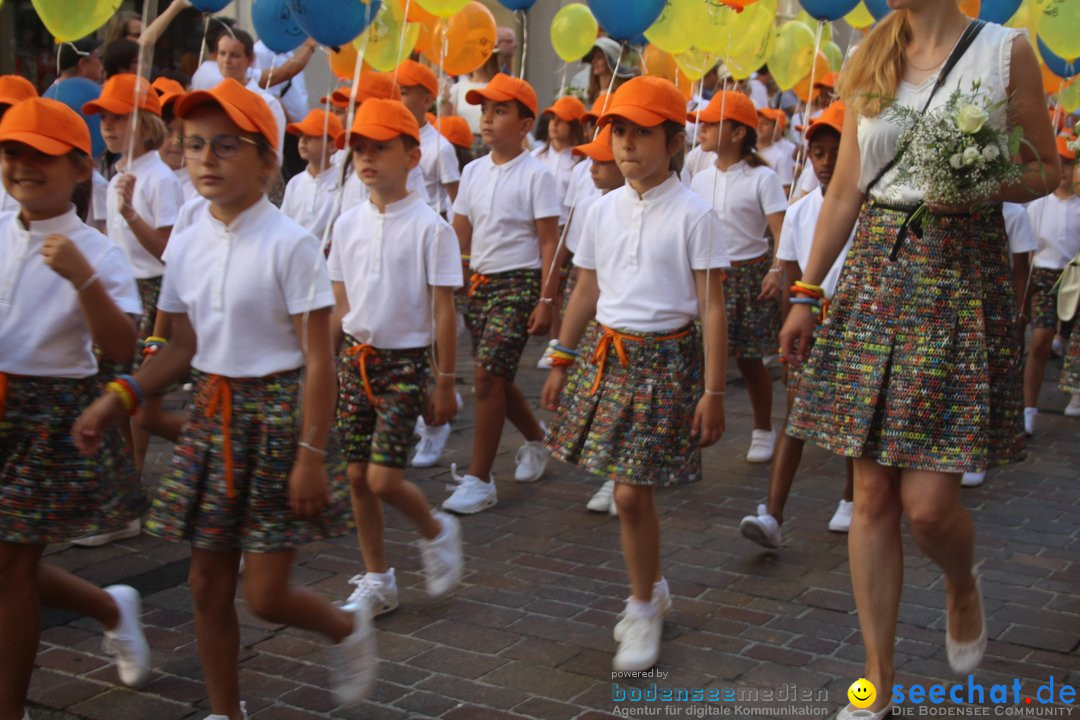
<point>528,634</point>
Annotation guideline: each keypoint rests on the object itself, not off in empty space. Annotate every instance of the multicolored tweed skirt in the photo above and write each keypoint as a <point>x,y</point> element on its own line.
<point>1070,371</point>
<point>918,363</point>
<point>753,325</point>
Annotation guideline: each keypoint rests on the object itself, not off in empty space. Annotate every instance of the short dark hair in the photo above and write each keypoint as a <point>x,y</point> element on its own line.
<point>824,129</point>
<point>409,142</point>
<point>218,26</point>
<point>242,37</point>
<point>71,53</point>
<point>119,55</point>
<point>524,110</point>
<point>671,129</point>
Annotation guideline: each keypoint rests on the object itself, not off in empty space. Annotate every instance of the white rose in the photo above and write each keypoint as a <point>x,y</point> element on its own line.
<point>957,161</point>
<point>971,155</point>
<point>991,153</point>
<point>970,118</point>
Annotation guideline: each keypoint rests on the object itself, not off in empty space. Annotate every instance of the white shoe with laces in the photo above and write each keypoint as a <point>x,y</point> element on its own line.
<point>761,528</point>
<point>126,642</point>
<point>762,443</point>
<point>432,442</point>
<point>132,529</point>
<point>442,557</point>
<point>841,519</point>
<point>379,591</point>
<point>1073,408</point>
<point>661,598</point>
<point>532,459</point>
<point>972,479</point>
<point>544,363</point>
<point>603,500</point>
<point>353,661</point>
<point>470,495</point>
<point>243,713</point>
<point>639,639</point>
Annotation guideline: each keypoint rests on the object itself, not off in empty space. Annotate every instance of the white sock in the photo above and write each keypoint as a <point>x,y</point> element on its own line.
<point>386,578</point>
<point>1031,412</point>
<point>660,587</point>
<point>640,608</point>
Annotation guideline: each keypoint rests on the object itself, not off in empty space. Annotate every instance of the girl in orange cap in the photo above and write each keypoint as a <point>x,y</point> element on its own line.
<point>66,287</point>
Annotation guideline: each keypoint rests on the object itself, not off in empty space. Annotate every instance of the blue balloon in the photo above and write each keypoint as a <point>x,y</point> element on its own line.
<point>76,92</point>
<point>998,11</point>
<point>626,20</point>
<point>334,22</point>
<point>517,4</point>
<point>209,6</point>
<point>1058,65</point>
<point>828,10</point>
<point>878,8</point>
<point>275,25</point>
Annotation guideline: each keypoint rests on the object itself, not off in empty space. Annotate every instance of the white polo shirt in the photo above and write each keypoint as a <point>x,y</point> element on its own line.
<point>356,193</point>
<point>389,262</point>
<point>7,203</point>
<point>1019,229</point>
<point>309,199</point>
<point>1057,226</point>
<point>561,164</point>
<point>781,160</point>
<point>42,328</point>
<point>743,197</point>
<point>157,200</point>
<point>438,163</point>
<point>503,203</point>
<point>578,221</point>
<point>807,183</point>
<point>241,284</point>
<point>581,185</point>
<point>186,186</point>
<point>697,160</point>
<point>644,250</point>
<point>797,238</point>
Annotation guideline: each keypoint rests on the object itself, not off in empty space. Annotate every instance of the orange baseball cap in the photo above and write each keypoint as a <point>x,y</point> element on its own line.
<point>646,101</point>
<point>600,148</point>
<point>729,105</point>
<point>338,98</point>
<point>832,116</point>
<point>372,85</point>
<point>597,107</point>
<point>827,80</point>
<point>567,108</point>
<point>46,125</point>
<point>1062,145</point>
<point>410,72</point>
<point>456,130</point>
<point>381,119</point>
<point>15,88</point>
<point>249,111</point>
<point>168,90</point>
<point>122,94</point>
<point>316,123</point>
<point>777,116</point>
<point>504,88</point>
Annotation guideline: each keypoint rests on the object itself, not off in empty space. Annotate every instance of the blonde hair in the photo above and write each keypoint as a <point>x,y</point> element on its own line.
<point>153,130</point>
<point>872,75</point>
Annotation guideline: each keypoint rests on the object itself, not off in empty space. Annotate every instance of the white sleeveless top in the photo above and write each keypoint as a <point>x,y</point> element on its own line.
<point>988,60</point>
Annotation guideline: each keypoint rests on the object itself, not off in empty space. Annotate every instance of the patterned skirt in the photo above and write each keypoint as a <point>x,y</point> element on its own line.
<point>195,502</point>
<point>632,423</point>
<point>1070,372</point>
<point>49,493</point>
<point>1044,311</point>
<point>753,325</point>
<point>918,363</point>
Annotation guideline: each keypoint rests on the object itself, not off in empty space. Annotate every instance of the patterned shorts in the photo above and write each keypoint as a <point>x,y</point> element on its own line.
<point>498,319</point>
<point>1044,314</point>
<point>192,503</point>
<point>382,434</point>
<point>635,428</point>
<point>753,325</point>
<point>1070,370</point>
<point>49,492</point>
<point>149,290</point>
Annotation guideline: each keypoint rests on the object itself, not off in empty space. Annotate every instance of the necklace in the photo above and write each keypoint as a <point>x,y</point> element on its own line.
<point>936,65</point>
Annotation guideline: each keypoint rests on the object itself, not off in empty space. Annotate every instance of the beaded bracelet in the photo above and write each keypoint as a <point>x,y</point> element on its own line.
<point>808,289</point>
<point>565,350</point>
<point>131,382</point>
<point>563,362</point>
<point>126,393</point>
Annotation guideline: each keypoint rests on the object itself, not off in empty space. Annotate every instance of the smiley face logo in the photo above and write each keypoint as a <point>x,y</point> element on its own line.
<point>862,693</point>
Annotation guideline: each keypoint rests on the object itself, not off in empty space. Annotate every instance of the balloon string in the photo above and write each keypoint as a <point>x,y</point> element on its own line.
<point>399,51</point>
<point>563,87</point>
<point>142,85</point>
<point>440,232</point>
<point>706,352</point>
<point>205,32</point>
<point>801,151</point>
<point>524,18</point>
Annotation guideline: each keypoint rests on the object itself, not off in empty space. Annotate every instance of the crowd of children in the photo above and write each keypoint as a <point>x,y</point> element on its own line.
<point>320,338</point>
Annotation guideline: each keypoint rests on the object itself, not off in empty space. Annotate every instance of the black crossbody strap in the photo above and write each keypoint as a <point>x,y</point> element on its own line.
<point>970,33</point>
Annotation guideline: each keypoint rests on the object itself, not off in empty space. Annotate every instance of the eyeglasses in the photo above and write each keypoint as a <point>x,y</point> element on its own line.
<point>223,146</point>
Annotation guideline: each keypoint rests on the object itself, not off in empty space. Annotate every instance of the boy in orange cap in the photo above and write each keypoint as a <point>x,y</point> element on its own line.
<point>438,161</point>
<point>394,267</point>
<point>309,196</point>
<point>66,287</point>
<point>773,147</point>
<point>13,89</point>
<point>507,220</point>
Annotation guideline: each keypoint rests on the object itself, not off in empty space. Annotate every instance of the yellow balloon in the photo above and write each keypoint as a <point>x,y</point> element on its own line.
<point>382,43</point>
<point>793,54</point>
<point>742,66</point>
<point>1059,27</point>
<point>70,20</point>
<point>669,33</point>
<point>752,28</point>
<point>1069,97</point>
<point>860,17</point>
<point>834,54</point>
<point>694,63</point>
<point>573,32</point>
<point>711,27</point>
<point>808,20</point>
<point>442,8</point>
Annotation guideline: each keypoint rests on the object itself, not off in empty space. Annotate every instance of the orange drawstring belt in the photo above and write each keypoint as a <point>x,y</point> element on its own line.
<point>616,338</point>
<point>217,397</point>
<point>362,352</point>
<point>476,281</point>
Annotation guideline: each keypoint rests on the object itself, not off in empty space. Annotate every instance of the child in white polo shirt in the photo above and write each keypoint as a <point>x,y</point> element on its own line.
<point>309,196</point>
<point>507,221</point>
<point>774,148</point>
<point>564,127</point>
<point>438,160</point>
<point>749,199</point>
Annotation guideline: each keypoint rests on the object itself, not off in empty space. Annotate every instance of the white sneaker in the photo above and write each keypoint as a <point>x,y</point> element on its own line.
<point>761,528</point>
<point>132,529</point>
<point>639,646</point>
<point>432,443</point>
<point>1030,414</point>
<point>532,459</point>
<point>1058,347</point>
<point>442,557</point>
<point>974,479</point>
<point>544,363</point>
<point>841,519</point>
<point>603,500</point>
<point>243,713</point>
<point>761,446</point>
<point>126,641</point>
<point>1073,408</point>
<point>661,598</point>
<point>353,660</point>
<point>380,593</point>
<point>471,494</point>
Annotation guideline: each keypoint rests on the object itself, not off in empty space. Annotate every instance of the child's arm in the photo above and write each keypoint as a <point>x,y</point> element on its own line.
<point>709,416</point>
<point>547,229</point>
<point>308,486</point>
<point>151,238</point>
<point>772,285</point>
<point>152,32</point>
<point>463,229</point>
<point>111,328</point>
<point>451,190</point>
<point>1021,263</point>
<point>579,311</point>
<point>341,309</point>
<point>442,406</point>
